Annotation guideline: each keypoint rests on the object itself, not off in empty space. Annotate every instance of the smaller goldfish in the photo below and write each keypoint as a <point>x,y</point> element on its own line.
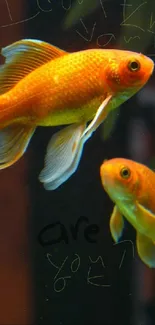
<point>131,186</point>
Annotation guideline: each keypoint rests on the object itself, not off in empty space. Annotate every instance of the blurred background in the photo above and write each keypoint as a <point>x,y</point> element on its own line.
<point>59,264</point>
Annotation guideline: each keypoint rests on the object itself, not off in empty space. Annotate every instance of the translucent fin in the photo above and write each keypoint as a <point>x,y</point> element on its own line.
<point>14,140</point>
<point>146,250</point>
<point>63,154</point>
<point>23,57</point>
<point>145,217</point>
<point>110,123</point>
<point>116,224</point>
<point>68,173</point>
<point>100,116</point>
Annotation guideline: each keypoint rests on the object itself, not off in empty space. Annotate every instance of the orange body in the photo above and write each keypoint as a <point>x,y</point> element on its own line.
<point>70,88</point>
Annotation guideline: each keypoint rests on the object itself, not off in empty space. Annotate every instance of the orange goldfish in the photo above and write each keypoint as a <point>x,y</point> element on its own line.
<point>131,186</point>
<point>41,85</point>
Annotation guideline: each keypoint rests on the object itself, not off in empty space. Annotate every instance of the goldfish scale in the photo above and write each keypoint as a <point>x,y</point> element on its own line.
<point>67,115</point>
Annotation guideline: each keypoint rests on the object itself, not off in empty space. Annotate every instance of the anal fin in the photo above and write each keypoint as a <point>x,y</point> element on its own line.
<point>146,249</point>
<point>63,155</point>
<point>14,140</point>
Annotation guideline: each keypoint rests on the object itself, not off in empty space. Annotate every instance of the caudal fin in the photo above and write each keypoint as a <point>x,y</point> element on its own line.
<point>14,140</point>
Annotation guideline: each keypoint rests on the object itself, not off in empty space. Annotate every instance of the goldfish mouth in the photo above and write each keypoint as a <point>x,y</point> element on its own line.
<point>150,68</point>
<point>150,74</point>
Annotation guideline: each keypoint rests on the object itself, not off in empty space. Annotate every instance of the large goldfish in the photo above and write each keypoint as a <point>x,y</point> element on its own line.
<point>131,186</point>
<point>41,85</point>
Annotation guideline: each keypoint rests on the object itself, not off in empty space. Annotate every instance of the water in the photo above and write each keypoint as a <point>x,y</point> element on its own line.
<point>59,264</point>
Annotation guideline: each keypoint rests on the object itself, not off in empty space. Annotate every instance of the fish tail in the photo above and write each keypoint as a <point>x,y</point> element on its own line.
<point>14,140</point>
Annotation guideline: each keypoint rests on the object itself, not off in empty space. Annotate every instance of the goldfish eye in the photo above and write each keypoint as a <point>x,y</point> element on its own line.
<point>125,172</point>
<point>134,65</point>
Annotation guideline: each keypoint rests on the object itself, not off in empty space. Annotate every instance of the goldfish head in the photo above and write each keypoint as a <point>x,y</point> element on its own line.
<point>120,179</point>
<point>128,71</point>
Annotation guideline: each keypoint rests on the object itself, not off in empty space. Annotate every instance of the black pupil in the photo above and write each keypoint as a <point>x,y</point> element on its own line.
<point>125,172</point>
<point>134,65</point>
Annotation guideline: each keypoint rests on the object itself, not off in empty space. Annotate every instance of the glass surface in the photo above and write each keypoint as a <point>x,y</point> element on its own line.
<point>59,263</point>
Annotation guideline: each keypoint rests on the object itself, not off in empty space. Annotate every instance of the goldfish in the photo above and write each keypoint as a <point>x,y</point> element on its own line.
<point>131,186</point>
<point>42,85</point>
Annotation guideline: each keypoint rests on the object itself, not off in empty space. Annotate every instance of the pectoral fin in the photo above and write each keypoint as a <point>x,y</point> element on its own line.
<point>116,224</point>
<point>110,123</point>
<point>63,155</point>
<point>145,217</point>
<point>14,140</point>
<point>100,116</point>
<point>146,250</point>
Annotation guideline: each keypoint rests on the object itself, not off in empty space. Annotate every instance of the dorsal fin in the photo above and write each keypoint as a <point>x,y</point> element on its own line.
<point>23,57</point>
